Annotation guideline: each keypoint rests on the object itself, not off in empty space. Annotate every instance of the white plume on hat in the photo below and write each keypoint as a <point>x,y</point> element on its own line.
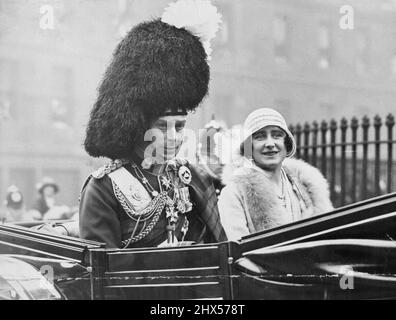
<point>199,17</point>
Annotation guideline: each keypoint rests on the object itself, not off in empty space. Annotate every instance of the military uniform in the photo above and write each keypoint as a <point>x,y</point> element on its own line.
<point>160,68</point>
<point>103,218</point>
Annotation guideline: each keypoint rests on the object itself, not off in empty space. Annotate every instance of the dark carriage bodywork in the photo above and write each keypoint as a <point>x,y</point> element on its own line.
<point>345,254</point>
<point>311,259</point>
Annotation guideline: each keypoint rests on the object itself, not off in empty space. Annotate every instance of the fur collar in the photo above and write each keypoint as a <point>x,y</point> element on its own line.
<point>264,207</point>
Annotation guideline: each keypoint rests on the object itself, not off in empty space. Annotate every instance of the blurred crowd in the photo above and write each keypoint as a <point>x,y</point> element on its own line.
<point>45,206</point>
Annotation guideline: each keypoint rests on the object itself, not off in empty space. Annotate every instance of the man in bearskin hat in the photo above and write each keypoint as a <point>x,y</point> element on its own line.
<point>146,196</point>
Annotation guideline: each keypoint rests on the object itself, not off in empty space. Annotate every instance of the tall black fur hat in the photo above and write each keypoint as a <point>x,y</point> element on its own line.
<point>155,68</point>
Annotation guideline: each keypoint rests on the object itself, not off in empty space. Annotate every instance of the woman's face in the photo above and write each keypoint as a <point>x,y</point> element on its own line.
<point>49,191</point>
<point>269,148</point>
<point>169,134</point>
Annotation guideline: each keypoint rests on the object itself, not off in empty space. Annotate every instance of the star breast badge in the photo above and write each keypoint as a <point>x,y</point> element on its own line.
<point>165,182</point>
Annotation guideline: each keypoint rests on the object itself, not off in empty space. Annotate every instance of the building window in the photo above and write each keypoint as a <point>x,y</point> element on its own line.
<point>281,38</point>
<point>393,65</point>
<point>362,56</point>
<point>8,75</point>
<point>61,103</point>
<point>324,47</point>
<point>224,108</point>
<point>62,80</point>
<point>5,108</point>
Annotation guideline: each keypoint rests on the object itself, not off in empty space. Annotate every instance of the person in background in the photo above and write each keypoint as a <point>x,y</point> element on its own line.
<point>208,155</point>
<point>265,187</point>
<point>47,189</point>
<point>45,203</point>
<point>15,207</point>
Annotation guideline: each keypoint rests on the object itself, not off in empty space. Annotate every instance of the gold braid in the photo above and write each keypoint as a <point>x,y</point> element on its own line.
<point>156,206</point>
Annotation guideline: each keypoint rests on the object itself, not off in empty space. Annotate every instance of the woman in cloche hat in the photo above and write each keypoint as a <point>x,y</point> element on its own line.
<point>146,196</point>
<point>45,206</point>
<point>47,189</point>
<point>265,187</point>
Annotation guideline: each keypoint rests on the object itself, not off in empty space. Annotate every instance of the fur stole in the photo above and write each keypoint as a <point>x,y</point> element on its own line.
<point>260,200</point>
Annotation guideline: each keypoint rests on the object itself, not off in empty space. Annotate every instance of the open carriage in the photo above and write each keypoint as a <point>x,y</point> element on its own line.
<point>345,254</point>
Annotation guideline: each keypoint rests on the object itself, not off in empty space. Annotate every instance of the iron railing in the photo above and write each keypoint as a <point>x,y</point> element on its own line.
<point>357,158</point>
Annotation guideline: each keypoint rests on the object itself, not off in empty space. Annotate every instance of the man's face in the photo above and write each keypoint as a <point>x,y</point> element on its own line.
<point>169,135</point>
<point>269,148</point>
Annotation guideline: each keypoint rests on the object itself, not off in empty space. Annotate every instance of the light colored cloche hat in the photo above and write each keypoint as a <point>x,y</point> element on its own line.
<point>263,117</point>
<point>45,182</point>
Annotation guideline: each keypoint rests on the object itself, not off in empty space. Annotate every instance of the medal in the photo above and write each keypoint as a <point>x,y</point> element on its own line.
<point>181,207</point>
<point>184,199</point>
<point>172,217</point>
<point>185,174</point>
<point>184,228</point>
<point>184,194</point>
<point>165,182</point>
<point>188,206</point>
<point>171,214</point>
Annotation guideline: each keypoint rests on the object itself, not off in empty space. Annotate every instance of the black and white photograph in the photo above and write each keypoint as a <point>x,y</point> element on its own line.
<point>172,150</point>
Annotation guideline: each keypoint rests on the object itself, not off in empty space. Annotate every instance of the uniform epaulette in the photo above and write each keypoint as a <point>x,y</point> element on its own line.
<point>107,168</point>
